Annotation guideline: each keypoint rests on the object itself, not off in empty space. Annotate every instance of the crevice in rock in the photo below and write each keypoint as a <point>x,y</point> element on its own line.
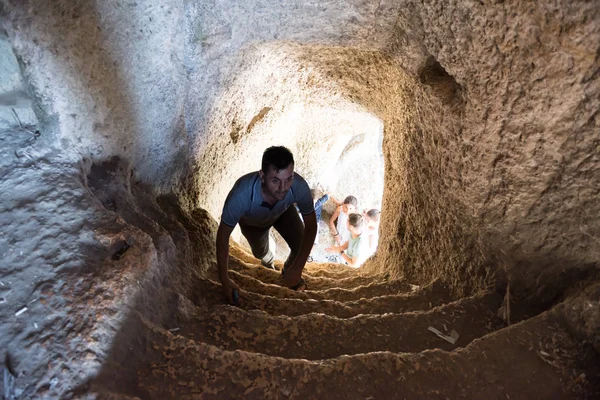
<point>444,85</point>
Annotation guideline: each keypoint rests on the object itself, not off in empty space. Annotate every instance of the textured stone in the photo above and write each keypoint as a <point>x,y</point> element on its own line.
<point>474,124</point>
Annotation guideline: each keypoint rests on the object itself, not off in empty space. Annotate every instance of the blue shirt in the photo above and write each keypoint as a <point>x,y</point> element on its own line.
<point>319,206</point>
<point>245,202</point>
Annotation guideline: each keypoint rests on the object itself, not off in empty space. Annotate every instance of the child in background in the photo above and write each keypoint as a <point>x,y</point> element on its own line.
<point>319,202</point>
<point>356,250</point>
<point>340,231</point>
<point>372,231</point>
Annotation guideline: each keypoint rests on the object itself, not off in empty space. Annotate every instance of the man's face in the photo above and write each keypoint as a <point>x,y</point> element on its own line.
<point>277,184</point>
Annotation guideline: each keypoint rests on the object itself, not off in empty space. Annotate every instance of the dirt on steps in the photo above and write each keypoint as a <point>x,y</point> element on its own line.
<point>373,290</point>
<point>537,358</point>
<point>319,336</point>
<point>207,293</point>
<point>314,282</point>
<point>324,270</point>
<point>333,270</point>
<point>431,296</point>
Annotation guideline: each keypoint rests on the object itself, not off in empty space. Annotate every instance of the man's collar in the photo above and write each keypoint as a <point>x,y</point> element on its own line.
<point>267,205</point>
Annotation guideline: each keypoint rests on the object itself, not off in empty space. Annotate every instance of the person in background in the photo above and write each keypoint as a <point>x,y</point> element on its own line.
<point>319,202</point>
<point>340,231</point>
<point>355,251</point>
<point>372,229</point>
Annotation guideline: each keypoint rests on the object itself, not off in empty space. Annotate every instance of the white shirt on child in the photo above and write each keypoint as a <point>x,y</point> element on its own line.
<point>372,235</point>
<point>342,226</point>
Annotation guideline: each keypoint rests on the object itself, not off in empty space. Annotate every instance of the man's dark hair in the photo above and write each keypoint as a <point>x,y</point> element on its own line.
<point>356,220</point>
<point>277,157</point>
<point>351,200</point>
<point>373,214</point>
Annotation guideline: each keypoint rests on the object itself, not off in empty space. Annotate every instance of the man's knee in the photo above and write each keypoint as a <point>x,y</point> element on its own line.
<point>259,249</point>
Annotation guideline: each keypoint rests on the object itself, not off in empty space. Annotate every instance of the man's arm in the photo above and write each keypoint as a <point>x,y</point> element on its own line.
<point>294,272</point>
<point>352,262</point>
<point>337,249</point>
<point>332,228</point>
<point>223,234</point>
<point>344,256</point>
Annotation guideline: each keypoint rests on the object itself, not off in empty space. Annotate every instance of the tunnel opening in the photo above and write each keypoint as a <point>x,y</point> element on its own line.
<point>280,90</point>
<point>353,166</point>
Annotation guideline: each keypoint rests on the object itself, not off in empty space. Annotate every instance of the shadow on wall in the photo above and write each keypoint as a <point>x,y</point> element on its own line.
<point>156,289</point>
<point>15,103</point>
<point>443,85</point>
<point>538,282</point>
<point>78,87</point>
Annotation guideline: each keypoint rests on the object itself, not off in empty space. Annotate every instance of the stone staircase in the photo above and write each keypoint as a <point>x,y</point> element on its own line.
<point>128,307</point>
<point>351,335</point>
<point>354,337</point>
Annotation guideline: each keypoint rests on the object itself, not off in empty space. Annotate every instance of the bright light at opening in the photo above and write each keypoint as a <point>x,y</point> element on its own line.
<point>340,152</point>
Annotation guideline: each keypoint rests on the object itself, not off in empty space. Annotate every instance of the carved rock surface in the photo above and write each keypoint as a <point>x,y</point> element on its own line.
<point>473,125</point>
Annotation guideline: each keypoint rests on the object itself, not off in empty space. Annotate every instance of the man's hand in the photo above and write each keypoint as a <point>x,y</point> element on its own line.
<point>228,287</point>
<point>333,249</point>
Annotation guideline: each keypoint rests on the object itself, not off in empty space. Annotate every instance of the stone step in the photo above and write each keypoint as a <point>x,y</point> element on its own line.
<point>332,270</point>
<point>314,282</point>
<point>319,336</point>
<point>522,361</point>
<point>430,296</point>
<point>208,294</point>
<point>372,290</point>
<point>324,270</point>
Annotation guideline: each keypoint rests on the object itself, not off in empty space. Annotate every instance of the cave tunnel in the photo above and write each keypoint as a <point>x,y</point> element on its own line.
<point>472,125</point>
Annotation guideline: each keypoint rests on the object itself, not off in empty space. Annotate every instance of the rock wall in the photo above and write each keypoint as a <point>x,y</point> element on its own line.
<point>489,113</point>
<point>107,79</point>
<point>525,152</point>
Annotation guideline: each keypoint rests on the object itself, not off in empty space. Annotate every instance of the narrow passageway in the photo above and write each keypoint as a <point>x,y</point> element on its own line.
<point>472,126</point>
<point>353,334</point>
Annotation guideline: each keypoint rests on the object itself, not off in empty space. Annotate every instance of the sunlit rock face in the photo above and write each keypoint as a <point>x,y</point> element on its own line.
<point>480,146</point>
<point>473,125</point>
<point>108,79</point>
<point>522,152</point>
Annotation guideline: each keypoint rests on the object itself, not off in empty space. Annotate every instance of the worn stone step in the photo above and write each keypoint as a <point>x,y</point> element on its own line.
<point>314,283</point>
<point>208,294</point>
<point>333,270</point>
<point>510,363</point>
<point>325,270</point>
<point>319,336</point>
<point>372,290</point>
<point>426,298</point>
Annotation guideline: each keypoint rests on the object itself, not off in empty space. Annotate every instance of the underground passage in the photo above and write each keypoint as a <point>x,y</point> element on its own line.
<point>470,127</point>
